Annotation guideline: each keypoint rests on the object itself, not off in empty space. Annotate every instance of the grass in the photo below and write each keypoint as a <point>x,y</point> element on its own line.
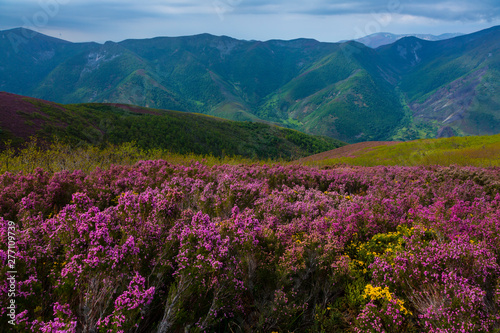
<point>61,156</point>
<point>481,151</point>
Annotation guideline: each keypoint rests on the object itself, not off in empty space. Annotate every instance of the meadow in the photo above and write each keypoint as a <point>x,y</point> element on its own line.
<point>211,245</point>
<point>480,151</point>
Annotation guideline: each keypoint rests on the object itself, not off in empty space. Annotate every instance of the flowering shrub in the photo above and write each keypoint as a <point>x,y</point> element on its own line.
<point>160,247</point>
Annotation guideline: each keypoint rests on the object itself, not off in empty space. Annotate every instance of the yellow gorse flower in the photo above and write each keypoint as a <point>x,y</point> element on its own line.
<point>383,293</point>
<point>402,308</point>
<point>377,292</point>
<point>297,238</point>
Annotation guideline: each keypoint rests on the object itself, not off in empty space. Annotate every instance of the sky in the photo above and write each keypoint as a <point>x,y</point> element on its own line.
<point>323,20</point>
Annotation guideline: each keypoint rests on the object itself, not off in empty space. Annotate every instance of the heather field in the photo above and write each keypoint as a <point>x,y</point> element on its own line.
<point>163,247</point>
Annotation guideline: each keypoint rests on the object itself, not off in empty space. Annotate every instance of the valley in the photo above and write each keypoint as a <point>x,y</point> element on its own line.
<point>406,90</point>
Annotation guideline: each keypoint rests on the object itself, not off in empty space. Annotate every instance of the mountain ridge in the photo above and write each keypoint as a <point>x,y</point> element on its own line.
<point>384,38</point>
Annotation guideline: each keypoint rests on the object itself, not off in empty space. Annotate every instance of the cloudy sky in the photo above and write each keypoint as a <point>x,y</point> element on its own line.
<point>324,20</point>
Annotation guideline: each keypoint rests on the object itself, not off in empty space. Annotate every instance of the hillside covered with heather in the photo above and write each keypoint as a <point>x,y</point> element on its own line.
<point>99,125</point>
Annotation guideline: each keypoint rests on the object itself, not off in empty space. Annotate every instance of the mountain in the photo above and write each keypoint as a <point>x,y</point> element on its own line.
<point>179,132</point>
<point>406,90</point>
<point>384,38</point>
<point>451,85</point>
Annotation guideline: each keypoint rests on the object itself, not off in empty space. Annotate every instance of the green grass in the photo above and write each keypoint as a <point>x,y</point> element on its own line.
<point>472,150</point>
<point>481,151</point>
<point>60,156</point>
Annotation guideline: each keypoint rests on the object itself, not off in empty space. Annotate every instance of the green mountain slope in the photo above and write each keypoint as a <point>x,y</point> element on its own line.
<point>178,132</point>
<point>451,85</point>
<point>342,95</point>
<point>481,151</point>
<point>407,90</point>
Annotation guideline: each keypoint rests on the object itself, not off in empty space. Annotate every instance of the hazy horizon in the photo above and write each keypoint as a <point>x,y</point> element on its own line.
<point>325,21</point>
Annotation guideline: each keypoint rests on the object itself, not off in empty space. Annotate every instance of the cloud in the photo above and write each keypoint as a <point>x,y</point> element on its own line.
<point>468,10</point>
<point>102,20</point>
<point>460,10</point>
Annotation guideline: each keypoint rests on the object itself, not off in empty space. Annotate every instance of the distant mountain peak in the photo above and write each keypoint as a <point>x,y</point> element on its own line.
<point>385,38</point>
<point>23,33</point>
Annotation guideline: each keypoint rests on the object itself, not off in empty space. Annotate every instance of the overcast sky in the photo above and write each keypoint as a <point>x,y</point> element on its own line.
<point>324,20</point>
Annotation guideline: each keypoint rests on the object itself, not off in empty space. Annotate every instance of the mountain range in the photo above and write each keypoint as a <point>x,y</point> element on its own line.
<point>383,38</point>
<point>406,90</point>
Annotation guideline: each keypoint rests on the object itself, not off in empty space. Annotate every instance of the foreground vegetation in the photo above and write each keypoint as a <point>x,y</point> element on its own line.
<point>163,247</point>
<point>480,151</point>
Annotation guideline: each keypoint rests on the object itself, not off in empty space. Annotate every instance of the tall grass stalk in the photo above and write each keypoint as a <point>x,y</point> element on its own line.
<point>60,156</point>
